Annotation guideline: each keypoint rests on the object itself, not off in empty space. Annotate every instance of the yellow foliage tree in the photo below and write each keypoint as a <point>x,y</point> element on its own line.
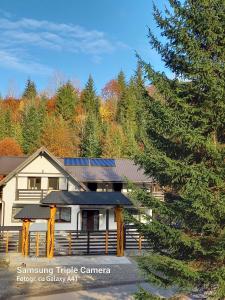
<point>58,137</point>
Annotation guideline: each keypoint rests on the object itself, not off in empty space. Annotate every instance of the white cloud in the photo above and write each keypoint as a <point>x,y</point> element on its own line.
<point>25,34</point>
<point>12,61</point>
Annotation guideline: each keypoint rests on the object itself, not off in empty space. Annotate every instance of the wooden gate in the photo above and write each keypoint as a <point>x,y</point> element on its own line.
<point>85,242</point>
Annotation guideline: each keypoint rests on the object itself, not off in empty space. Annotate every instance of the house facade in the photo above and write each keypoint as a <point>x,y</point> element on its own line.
<point>85,191</point>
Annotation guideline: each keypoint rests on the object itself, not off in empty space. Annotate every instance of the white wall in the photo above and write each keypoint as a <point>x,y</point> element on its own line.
<point>41,225</point>
<point>8,196</point>
<point>39,167</point>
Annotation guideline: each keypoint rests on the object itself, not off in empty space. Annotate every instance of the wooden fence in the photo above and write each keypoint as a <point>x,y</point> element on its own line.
<point>10,239</point>
<point>134,240</point>
<point>103,242</point>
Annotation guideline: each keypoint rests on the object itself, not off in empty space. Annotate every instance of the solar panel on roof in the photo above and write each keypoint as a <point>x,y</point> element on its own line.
<point>102,162</point>
<point>77,161</point>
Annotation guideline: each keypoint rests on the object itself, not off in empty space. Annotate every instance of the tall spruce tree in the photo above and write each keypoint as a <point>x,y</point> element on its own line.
<point>66,100</point>
<point>122,101</point>
<point>30,91</point>
<point>91,146</point>
<point>90,100</point>
<point>32,125</point>
<point>185,151</point>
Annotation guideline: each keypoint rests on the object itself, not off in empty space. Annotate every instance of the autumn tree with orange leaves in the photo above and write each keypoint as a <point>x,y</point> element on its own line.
<point>10,147</point>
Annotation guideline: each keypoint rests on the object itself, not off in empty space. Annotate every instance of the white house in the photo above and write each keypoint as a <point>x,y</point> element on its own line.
<point>85,191</point>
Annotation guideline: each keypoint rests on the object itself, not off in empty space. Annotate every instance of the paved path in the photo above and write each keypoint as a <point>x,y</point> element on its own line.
<point>17,259</point>
<point>118,292</point>
<point>22,279</point>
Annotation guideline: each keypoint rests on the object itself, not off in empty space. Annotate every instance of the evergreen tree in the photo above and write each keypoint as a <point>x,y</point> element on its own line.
<point>6,126</point>
<point>129,108</point>
<point>66,100</point>
<point>121,82</point>
<point>32,126</point>
<point>90,100</point>
<point>141,95</point>
<point>18,132</point>
<point>185,151</point>
<point>113,142</point>
<point>30,91</point>
<point>91,146</point>
<point>122,101</point>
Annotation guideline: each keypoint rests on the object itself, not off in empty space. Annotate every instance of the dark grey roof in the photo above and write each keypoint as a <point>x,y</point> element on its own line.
<point>125,168</point>
<point>10,163</point>
<point>33,211</point>
<point>86,198</point>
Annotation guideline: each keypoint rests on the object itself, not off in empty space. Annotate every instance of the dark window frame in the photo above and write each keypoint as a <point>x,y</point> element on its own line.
<point>57,183</point>
<point>92,186</point>
<point>28,182</point>
<point>59,210</point>
<point>13,214</point>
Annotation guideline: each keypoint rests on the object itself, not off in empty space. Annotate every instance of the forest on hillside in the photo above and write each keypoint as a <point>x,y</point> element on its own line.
<point>75,122</point>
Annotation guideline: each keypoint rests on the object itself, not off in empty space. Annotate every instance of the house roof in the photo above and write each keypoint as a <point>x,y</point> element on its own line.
<point>10,163</point>
<point>124,168</point>
<point>86,198</point>
<point>33,211</point>
<point>27,160</point>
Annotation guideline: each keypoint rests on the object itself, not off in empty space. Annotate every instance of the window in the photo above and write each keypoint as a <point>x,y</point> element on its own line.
<point>117,186</point>
<point>15,210</point>
<point>92,186</point>
<point>63,215</point>
<point>34,183</point>
<point>53,183</point>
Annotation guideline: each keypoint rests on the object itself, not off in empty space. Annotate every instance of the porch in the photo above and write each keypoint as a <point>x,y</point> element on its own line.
<point>99,227</point>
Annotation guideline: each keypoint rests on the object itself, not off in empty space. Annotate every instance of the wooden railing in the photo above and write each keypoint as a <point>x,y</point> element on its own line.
<point>158,195</point>
<point>31,194</point>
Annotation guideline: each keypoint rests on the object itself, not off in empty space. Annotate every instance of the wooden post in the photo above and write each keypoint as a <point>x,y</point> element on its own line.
<point>106,241</point>
<point>50,232</point>
<point>7,242</point>
<point>25,237</point>
<point>37,244</point>
<point>20,241</point>
<point>140,243</point>
<point>120,231</point>
<point>70,242</point>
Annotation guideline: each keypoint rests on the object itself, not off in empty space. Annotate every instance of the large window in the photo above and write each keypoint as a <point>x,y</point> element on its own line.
<point>53,183</point>
<point>34,183</point>
<point>63,215</point>
<point>15,210</point>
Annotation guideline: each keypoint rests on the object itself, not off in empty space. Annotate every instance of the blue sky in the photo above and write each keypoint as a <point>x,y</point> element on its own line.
<point>54,40</point>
